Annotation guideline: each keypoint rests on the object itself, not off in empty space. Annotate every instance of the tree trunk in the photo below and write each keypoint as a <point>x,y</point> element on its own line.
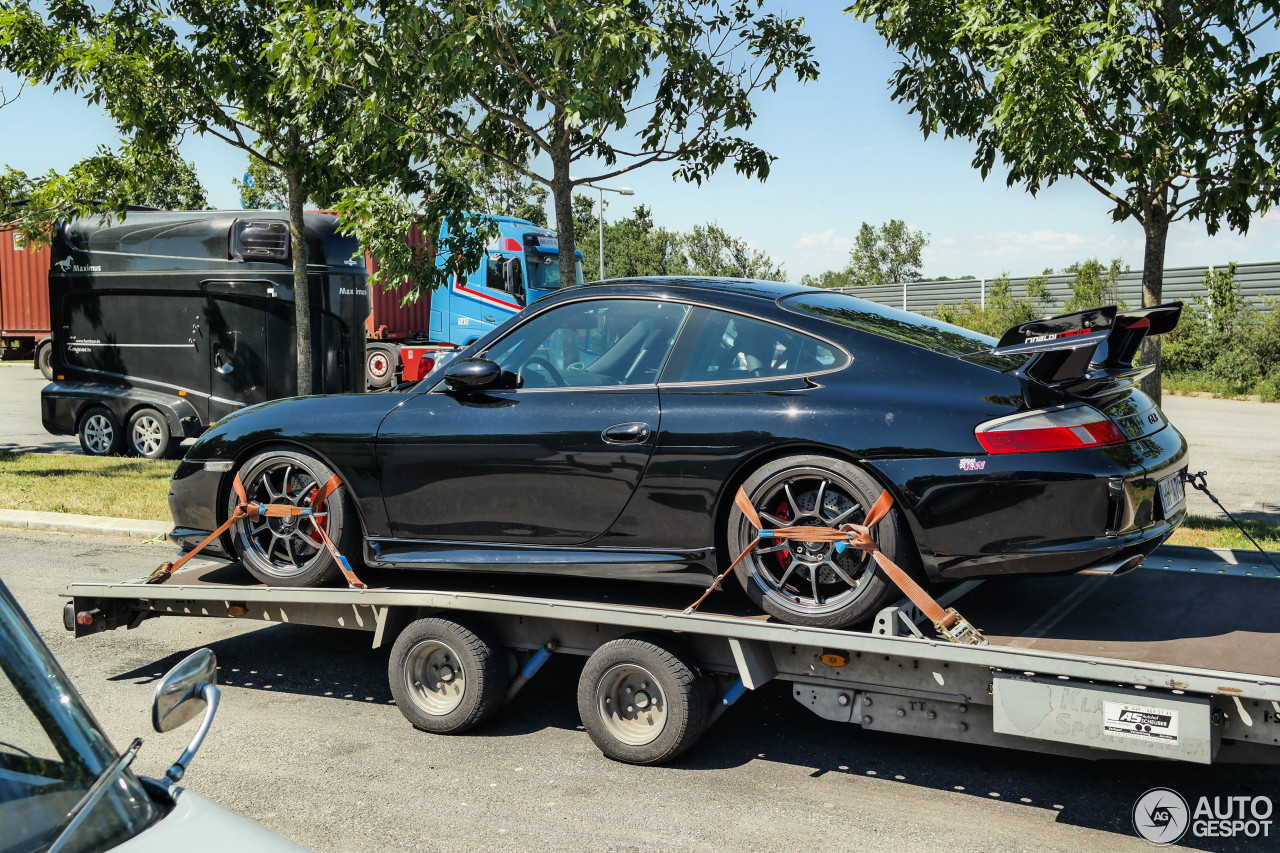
<point>562,193</point>
<point>1157,230</point>
<point>301,291</point>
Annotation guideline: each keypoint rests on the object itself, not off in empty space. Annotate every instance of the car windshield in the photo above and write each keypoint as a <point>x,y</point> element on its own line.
<point>544,271</point>
<point>914,329</point>
<point>52,750</point>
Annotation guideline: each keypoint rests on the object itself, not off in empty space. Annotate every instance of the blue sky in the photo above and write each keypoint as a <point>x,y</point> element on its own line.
<point>846,154</point>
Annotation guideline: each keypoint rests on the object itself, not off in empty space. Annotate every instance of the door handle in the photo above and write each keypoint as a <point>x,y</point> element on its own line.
<point>632,433</point>
<point>221,363</point>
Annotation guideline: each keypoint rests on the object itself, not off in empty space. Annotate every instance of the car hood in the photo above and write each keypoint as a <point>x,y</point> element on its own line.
<point>197,825</point>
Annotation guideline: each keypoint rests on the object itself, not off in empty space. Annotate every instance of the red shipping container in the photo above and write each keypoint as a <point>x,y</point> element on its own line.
<point>388,319</point>
<point>24,288</point>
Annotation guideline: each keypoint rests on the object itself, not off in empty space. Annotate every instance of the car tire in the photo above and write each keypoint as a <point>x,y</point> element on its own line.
<point>779,577</point>
<point>643,700</point>
<point>447,676</point>
<point>100,432</point>
<point>379,367</point>
<point>288,551</point>
<point>44,359</point>
<point>148,436</point>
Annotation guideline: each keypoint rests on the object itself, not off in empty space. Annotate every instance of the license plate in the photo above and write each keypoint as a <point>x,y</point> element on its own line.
<point>1172,493</point>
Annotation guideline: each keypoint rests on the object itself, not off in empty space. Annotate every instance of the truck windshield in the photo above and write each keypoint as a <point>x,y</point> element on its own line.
<point>52,750</point>
<point>544,271</point>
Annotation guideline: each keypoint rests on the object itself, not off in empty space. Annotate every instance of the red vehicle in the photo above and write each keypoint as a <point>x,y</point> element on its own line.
<point>24,300</point>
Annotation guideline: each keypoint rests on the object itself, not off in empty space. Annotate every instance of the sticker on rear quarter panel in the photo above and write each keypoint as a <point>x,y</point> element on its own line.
<point>1158,725</point>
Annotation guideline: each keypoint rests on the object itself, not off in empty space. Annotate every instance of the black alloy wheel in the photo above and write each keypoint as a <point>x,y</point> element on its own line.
<point>813,583</point>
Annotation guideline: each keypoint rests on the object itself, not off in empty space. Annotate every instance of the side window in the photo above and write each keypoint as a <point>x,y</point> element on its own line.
<point>602,342</point>
<point>731,346</point>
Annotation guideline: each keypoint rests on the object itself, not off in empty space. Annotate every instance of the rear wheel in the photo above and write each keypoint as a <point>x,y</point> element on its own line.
<point>446,676</point>
<point>100,433</point>
<point>44,359</point>
<point>811,583</point>
<point>642,700</point>
<point>289,551</point>
<point>148,434</point>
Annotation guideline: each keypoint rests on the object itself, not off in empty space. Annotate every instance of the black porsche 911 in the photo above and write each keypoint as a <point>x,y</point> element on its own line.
<point>605,430</point>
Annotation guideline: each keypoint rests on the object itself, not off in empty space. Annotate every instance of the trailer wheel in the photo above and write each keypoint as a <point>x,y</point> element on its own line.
<point>289,551</point>
<point>813,584</point>
<point>148,435</point>
<point>446,677</point>
<point>379,367</point>
<point>44,358</point>
<point>100,433</point>
<point>642,700</point>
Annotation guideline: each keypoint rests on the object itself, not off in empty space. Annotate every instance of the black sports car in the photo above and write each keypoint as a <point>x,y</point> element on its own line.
<point>605,430</point>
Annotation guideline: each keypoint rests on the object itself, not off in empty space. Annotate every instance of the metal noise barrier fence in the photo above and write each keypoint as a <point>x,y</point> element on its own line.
<point>1184,284</point>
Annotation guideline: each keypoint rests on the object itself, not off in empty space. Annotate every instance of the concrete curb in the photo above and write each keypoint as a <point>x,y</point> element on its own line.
<point>64,522</point>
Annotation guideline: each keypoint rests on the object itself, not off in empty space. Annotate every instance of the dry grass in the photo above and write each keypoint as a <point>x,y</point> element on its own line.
<point>108,486</point>
<point>1204,532</point>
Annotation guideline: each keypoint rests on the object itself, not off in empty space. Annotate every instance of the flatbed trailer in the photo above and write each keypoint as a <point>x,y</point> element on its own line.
<point>1177,660</point>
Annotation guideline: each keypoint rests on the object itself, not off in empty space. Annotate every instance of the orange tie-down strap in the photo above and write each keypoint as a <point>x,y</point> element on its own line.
<point>245,510</point>
<point>949,623</point>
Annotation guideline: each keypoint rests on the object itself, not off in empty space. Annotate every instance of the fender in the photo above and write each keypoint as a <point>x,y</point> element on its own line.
<point>63,403</point>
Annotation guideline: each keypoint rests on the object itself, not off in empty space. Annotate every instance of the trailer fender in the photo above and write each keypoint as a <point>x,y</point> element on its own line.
<point>62,404</point>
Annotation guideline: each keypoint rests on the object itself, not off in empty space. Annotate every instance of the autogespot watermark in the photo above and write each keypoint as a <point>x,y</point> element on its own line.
<point>1163,816</point>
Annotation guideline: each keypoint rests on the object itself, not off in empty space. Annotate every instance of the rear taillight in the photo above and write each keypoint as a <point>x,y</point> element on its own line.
<point>1066,428</point>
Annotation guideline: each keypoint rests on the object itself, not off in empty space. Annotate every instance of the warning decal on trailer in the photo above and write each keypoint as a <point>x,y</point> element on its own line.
<point>1140,722</point>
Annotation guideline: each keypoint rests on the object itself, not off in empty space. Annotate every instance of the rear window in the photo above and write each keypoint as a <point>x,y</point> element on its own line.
<point>914,329</point>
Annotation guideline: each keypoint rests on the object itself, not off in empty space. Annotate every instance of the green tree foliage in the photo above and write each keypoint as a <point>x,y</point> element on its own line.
<point>1002,309</point>
<point>612,86</point>
<point>1168,109</point>
<point>889,254</point>
<point>501,190</point>
<point>829,279</point>
<point>710,250</point>
<point>264,188</point>
<point>108,182</point>
<point>1093,285</point>
<point>1224,344</point>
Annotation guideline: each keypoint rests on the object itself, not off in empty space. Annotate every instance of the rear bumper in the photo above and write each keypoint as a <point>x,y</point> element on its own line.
<point>1041,513</point>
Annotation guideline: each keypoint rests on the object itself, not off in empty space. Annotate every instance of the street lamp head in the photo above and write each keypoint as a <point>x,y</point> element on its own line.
<point>626,191</point>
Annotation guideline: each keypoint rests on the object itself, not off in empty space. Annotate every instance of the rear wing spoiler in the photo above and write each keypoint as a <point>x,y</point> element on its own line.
<point>1088,347</point>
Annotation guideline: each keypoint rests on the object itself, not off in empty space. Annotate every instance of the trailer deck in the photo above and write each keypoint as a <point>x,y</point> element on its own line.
<point>1180,659</point>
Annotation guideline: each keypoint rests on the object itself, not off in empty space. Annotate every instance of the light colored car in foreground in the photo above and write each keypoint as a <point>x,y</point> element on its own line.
<point>64,787</point>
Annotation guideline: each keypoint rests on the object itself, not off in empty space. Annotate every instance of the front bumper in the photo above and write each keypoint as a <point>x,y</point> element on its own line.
<point>1039,513</point>
<point>194,497</point>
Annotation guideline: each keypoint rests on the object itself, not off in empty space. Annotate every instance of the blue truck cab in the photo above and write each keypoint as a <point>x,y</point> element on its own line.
<point>521,266</point>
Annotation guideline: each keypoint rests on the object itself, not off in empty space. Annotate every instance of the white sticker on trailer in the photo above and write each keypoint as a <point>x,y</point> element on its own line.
<point>1140,722</point>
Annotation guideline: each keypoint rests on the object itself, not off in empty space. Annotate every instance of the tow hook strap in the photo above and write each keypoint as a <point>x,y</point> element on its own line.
<point>246,510</point>
<point>948,623</point>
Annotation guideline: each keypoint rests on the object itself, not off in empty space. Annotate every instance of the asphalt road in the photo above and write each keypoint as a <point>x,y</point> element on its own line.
<point>307,742</point>
<point>1237,442</point>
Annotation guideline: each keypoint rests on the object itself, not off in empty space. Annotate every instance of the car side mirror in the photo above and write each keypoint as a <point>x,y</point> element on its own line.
<point>471,373</point>
<point>185,691</point>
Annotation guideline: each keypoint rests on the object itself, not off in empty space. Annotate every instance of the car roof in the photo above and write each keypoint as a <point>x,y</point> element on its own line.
<point>770,290</point>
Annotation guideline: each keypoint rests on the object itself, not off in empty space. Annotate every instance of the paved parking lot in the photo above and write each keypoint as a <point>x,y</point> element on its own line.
<point>20,427</point>
<point>308,743</point>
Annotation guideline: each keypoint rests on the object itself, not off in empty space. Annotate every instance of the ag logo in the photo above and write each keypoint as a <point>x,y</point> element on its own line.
<point>1161,816</point>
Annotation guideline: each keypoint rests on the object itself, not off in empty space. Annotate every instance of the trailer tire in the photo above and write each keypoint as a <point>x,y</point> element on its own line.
<point>44,358</point>
<point>642,699</point>
<point>764,574</point>
<point>99,431</point>
<point>446,676</point>
<point>282,475</point>
<point>148,436</point>
<point>380,367</point>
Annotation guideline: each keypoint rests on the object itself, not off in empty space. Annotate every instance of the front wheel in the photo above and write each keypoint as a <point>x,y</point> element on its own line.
<point>100,433</point>
<point>148,435</point>
<point>290,551</point>
<point>811,583</point>
<point>446,676</point>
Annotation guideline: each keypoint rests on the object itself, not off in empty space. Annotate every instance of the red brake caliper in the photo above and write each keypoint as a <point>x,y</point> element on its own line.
<point>783,513</point>
<point>310,532</point>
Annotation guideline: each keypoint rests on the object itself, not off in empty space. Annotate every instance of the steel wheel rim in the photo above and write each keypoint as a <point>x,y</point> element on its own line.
<point>98,433</point>
<point>435,677</point>
<point>631,705</point>
<point>288,545</point>
<point>379,365</point>
<point>815,497</point>
<point>146,435</point>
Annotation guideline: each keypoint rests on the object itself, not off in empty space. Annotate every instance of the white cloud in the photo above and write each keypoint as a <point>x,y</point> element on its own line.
<point>824,241</point>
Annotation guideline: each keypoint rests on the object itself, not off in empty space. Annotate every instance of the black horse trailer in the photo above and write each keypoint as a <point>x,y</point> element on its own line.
<point>166,321</point>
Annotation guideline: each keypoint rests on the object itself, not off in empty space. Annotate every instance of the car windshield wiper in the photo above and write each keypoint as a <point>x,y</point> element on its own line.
<point>68,825</point>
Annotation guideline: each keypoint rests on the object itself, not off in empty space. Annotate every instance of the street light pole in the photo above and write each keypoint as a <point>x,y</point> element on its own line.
<point>600,220</point>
